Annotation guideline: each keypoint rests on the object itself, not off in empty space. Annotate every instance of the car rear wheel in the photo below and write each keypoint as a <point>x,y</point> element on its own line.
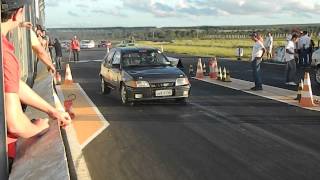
<point>318,75</point>
<point>104,87</point>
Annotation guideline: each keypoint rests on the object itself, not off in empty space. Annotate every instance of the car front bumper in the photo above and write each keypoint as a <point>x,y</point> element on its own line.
<point>143,94</point>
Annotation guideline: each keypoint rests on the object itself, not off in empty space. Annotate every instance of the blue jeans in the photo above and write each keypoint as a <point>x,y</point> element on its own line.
<point>304,57</point>
<point>256,72</point>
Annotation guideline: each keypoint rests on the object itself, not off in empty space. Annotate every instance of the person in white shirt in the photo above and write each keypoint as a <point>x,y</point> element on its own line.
<point>268,45</point>
<point>258,51</point>
<point>291,68</point>
<point>304,44</point>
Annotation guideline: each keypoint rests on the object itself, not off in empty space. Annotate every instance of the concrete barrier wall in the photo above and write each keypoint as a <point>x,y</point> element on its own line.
<point>41,157</point>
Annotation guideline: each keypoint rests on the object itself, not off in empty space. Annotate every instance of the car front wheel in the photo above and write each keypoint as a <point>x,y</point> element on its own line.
<point>104,87</point>
<point>318,75</point>
<point>124,95</point>
<point>182,101</point>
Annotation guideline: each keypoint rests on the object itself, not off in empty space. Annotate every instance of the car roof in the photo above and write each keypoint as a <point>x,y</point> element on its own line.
<point>135,49</point>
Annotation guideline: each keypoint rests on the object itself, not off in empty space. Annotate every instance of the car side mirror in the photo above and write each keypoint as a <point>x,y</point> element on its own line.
<point>172,63</point>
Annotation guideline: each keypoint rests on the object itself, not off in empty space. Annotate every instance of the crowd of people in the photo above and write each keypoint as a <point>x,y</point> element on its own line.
<point>16,91</point>
<point>298,52</point>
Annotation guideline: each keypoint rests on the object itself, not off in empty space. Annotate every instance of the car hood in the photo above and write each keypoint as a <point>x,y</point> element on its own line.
<point>154,72</point>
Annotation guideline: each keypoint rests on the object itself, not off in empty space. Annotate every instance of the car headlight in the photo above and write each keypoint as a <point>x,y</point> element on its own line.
<point>139,84</point>
<point>182,81</point>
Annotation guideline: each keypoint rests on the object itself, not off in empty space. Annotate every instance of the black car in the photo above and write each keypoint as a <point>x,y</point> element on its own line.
<point>142,73</point>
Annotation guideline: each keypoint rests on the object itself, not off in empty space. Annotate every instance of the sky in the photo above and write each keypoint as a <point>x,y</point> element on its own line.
<point>164,13</point>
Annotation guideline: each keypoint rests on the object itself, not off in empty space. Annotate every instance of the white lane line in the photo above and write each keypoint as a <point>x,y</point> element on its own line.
<point>103,120</point>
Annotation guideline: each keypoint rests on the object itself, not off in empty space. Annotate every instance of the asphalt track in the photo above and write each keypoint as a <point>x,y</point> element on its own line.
<point>220,134</point>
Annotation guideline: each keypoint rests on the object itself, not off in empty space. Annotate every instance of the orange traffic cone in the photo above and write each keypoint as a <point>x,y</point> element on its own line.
<point>224,74</point>
<point>213,65</point>
<point>199,70</point>
<point>306,95</point>
<point>204,68</point>
<point>191,71</point>
<point>57,78</point>
<point>68,77</point>
<point>219,74</point>
<point>228,76</point>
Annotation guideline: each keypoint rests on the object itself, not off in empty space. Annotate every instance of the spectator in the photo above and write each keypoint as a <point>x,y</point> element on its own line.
<point>39,32</point>
<point>75,47</point>
<point>304,44</point>
<point>269,45</point>
<point>50,46</point>
<point>291,69</point>
<point>258,51</point>
<point>37,47</point>
<point>57,47</point>
<point>15,90</point>
<point>311,49</point>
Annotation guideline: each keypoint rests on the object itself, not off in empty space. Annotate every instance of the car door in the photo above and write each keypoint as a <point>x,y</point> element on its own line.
<point>115,71</point>
<point>106,66</point>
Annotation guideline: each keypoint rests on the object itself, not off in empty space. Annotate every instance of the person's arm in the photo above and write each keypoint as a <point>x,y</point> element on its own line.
<point>43,56</point>
<point>29,97</point>
<point>288,47</point>
<point>263,51</point>
<point>18,123</point>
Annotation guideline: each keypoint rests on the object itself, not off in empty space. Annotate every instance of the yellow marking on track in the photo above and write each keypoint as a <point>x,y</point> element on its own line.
<point>88,121</point>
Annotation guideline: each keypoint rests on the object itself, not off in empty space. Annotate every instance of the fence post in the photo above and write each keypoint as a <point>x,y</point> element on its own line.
<point>4,168</point>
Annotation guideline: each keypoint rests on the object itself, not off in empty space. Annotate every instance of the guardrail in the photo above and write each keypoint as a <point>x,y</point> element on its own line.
<point>41,157</point>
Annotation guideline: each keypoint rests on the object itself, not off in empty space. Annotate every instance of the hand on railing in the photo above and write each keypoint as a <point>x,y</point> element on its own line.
<point>63,118</point>
<point>51,69</point>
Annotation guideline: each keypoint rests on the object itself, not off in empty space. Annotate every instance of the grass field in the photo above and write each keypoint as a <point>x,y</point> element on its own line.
<point>216,47</point>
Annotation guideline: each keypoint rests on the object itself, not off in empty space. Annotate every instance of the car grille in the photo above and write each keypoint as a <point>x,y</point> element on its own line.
<point>160,85</point>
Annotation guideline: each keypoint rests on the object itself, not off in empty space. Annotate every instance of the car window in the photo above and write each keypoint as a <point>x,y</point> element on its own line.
<point>116,58</point>
<point>144,58</point>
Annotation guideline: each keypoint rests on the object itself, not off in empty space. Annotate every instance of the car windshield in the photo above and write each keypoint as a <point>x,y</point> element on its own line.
<point>144,58</point>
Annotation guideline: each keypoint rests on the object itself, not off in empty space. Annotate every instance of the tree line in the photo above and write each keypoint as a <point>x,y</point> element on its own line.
<point>172,33</point>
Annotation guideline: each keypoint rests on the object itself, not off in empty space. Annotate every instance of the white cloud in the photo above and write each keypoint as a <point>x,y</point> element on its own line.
<point>223,7</point>
<point>181,12</point>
